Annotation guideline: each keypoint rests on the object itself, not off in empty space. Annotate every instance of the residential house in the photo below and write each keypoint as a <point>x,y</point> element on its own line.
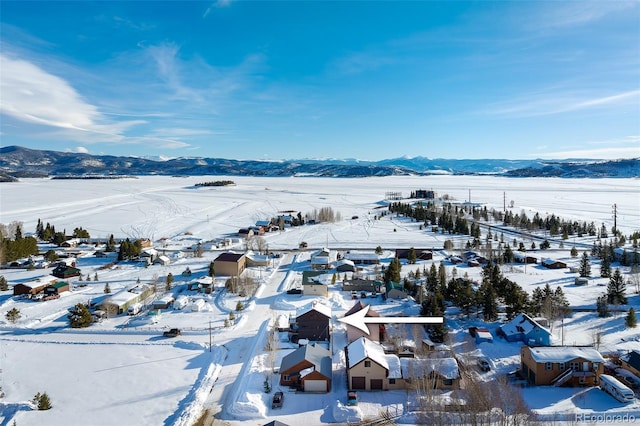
<point>523,328</point>
<point>626,255</point>
<point>120,302</point>
<point>431,373</point>
<point>376,331</point>
<point>255,259</point>
<point>312,285</point>
<point>63,271</point>
<point>308,368</point>
<point>369,368</point>
<point>521,257</point>
<point>245,232</point>
<point>421,254</point>
<point>230,264</point>
<point>311,323</point>
<point>561,365</point>
<point>70,243</point>
<point>631,362</point>
<point>362,285</point>
<point>31,288</point>
<point>162,260</point>
<point>148,255</point>
<point>394,290</point>
<point>321,259</point>
<point>56,288</point>
<point>363,258</point>
<point>553,264</point>
<point>345,265</point>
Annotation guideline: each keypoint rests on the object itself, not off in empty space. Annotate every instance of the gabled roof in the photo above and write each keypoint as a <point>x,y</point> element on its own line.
<point>315,306</point>
<point>310,277</point>
<point>391,285</point>
<point>564,354</point>
<point>445,367</point>
<point>229,257</point>
<point>316,355</point>
<point>521,324</point>
<point>360,306</point>
<point>363,348</point>
<point>634,359</point>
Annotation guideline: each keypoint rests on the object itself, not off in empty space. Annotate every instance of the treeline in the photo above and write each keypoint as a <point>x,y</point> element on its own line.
<point>217,183</point>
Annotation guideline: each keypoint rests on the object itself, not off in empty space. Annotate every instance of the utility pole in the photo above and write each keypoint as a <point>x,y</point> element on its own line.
<point>615,218</point>
<point>210,341</point>
<point>504,201</point>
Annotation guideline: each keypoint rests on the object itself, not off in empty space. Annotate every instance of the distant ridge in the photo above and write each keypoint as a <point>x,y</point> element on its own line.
<point>16,162</point>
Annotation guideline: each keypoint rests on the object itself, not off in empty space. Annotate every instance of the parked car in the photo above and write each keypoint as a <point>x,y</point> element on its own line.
<point>484,365</point>
<point>276,402</point>
<point>294,291</point>
<point>174,332</point>
<point>352,398</point>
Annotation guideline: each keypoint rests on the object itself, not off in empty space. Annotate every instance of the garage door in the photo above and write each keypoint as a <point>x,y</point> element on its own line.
<point>315,386</point>
<point>358,383</point>
<point>376,384</point>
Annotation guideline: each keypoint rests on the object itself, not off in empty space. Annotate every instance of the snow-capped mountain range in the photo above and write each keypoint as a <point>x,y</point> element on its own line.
<point>19,162</point>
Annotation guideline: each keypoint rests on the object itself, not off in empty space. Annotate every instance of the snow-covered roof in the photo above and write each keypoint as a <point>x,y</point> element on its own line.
<point>361,255</point>
<point>414,367</point>
<point>564,354</point>
<point>484,334</point>
<point>323,309</point>
<point>521,324</point>
<point>345,262</point>
<point>364,348</point>
<point>314,354</point>
<point>395,371</point>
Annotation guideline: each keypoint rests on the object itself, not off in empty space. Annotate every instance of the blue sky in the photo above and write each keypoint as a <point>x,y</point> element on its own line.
<point>324,79</point>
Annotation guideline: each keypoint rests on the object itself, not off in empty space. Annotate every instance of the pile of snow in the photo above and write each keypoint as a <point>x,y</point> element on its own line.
<point>343,413</point>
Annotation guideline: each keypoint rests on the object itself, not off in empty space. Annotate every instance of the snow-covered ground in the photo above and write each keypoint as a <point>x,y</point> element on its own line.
<point>122,371</point>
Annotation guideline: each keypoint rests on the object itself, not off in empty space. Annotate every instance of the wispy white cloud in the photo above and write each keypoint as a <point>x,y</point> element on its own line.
<point>610,149</point>
<point>216,5</point>
<point>575,13</point>
<point>558,102</point>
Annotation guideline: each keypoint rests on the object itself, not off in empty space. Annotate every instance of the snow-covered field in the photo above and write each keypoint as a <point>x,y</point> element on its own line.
<point>121,371</point>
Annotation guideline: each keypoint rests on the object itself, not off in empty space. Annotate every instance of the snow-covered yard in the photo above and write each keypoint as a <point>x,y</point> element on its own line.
<point>122,371</point>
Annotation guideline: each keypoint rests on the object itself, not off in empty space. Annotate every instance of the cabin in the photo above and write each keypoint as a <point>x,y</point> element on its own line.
<point>483,335</point>
<point>56,289</point>
<point>64,271</point>
<point>162,260</point>
<point>308,368</point>
<point>523,328</point>
<point>230,264</point>
<point>369,368</point>
<point>421,254</point>
<point>561,365</point>
<point>521,257</point>
<point>31,288</point>
<point>631,362</point>
<point>553,264</point>
<point>363,258</point>
<point>311,323</point>
<point>345,265</point>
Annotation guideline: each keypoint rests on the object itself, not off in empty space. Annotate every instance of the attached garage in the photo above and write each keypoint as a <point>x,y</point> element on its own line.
<point>376,384</point>
<point>315,386</point>
<point>358,383</point>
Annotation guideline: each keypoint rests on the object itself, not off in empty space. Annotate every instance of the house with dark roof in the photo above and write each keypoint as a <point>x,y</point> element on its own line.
<point>421,254</point>
<point>64,271</point>
<point>561,365</point>
<point>56,288</point>
<point>376,331</point>
<point>230,264</point>
<point>631,362</point>
<point>523,328</point>
<point>313,284</point>
<point>553,264</point>
<point>394,290</point>
<point>311,323</point>
<point>308,368</point>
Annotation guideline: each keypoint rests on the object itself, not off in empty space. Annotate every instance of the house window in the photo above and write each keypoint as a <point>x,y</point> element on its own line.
<point>574,366</point>
<point>548,366</point>
<point>367,363</point>
<point>447,382</point>
<point>561,366</point>
<point>286,378</point>
<point>581,380</point>
<point>392,381</point>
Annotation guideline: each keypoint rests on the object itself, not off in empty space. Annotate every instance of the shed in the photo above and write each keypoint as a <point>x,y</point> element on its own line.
<point>29,288</point>
<point>483,335</point>
<point>162,260</point>
<point>581,281</point>
<point>56,288</point>
<point>553,264</point>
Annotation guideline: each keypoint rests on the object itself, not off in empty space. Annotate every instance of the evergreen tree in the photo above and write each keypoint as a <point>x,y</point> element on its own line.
<point>489,302</point>
<point>212,271</point>
<point>507,256</point>
<point>95,276</point>
<point>631,321</point>
<point>574,251</point>
<point>239,306</point>
<point>616,289</point>
<point>411,258</point>
<point>44,403</point>
<point>169,280</point>
<point>605,266</point>
<point>13,315</point>
<point>602,306</point>
<point>585,265</point>
<point>4,286</point>
<point>333,278</point>
<point>80,317</point>
<point>393,271</point>
<point>107,289</point>
<point>378,250</point>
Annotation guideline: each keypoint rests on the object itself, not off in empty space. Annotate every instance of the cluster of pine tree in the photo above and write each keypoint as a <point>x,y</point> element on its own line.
<point>129,250</point>
<point>17,248</point>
